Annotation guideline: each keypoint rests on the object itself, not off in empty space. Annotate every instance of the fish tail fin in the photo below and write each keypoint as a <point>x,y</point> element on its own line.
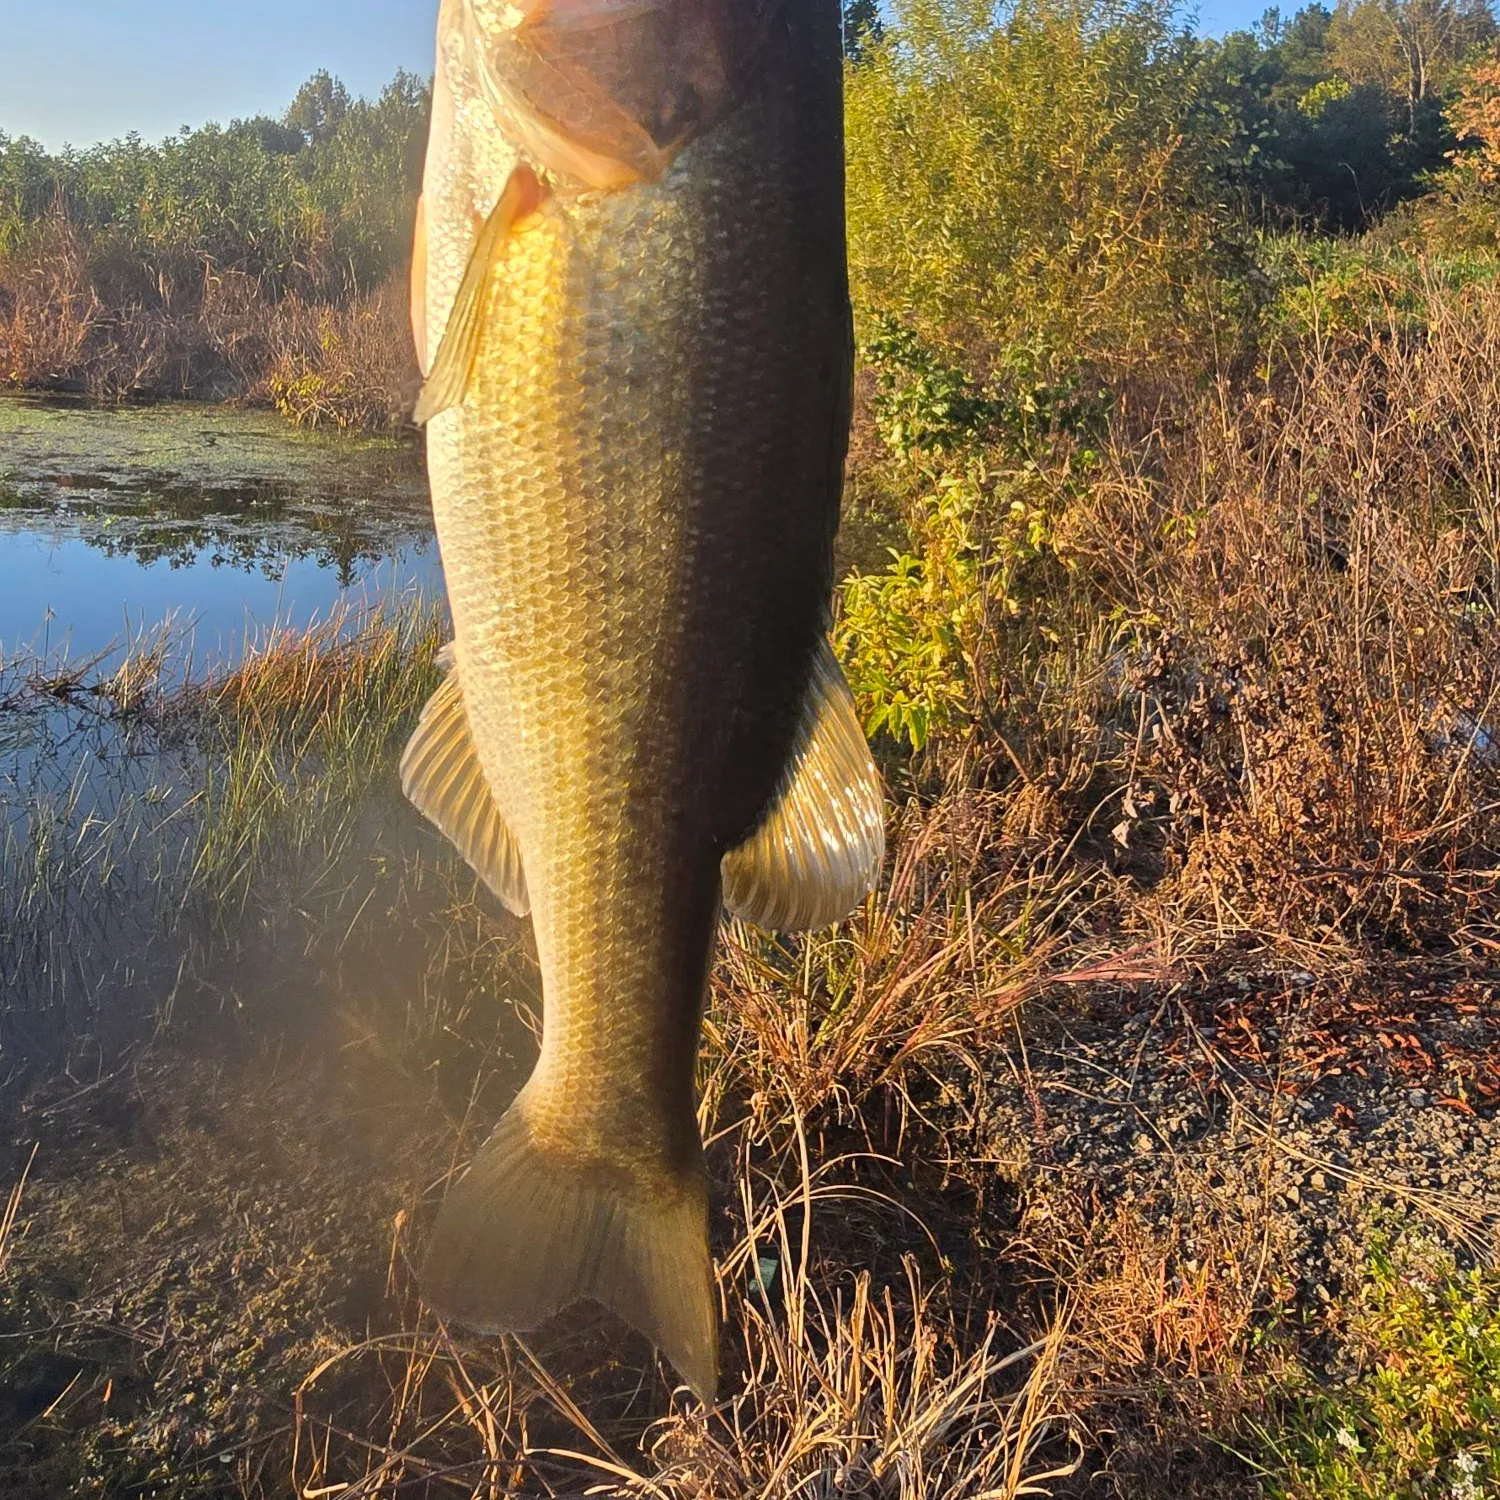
<point>528,1230</point>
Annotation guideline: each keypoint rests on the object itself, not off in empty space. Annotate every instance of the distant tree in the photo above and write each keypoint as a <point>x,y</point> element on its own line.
<point>1301,52</point>
<point>862,27</point>
<point>364,178</point>
<point>276,137</point>
<point>1036,176</point>
<point>319,108</point>
<point>1462,213</point>
<point>30,186</point>
<point>1412,48</point>
<point>1339,114</point>
<point>1475,117</point>
<point>1343,143</point>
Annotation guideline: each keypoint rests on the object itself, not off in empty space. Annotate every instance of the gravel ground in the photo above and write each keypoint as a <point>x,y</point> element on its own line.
<point>1306,1112</point>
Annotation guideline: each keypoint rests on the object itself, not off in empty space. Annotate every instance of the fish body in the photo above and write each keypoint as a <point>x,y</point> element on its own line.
<point>631,289</point>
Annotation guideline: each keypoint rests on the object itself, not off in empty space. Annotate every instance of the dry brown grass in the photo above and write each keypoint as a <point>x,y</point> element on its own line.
<point>870,1366</point>
<point>837,1025</point>
<point>345,367</point>
<point>48,309</point>
<point>1276,694</point>
<point>83,314</point>
<point>846,1384</point>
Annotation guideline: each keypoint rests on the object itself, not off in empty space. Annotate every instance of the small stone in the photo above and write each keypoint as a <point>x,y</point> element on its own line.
<point>1318,1182</point>
<point>1143,1144</point>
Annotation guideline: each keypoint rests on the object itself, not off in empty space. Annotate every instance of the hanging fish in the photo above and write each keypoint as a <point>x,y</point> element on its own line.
<point>630,284</point>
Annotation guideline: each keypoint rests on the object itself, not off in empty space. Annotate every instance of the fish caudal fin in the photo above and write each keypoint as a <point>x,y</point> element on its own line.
<point>441,774</point>
<point>526,1231</point>
<point>820,848</point>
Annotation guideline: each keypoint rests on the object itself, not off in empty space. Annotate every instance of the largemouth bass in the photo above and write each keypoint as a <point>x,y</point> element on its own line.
<point>630,283</point>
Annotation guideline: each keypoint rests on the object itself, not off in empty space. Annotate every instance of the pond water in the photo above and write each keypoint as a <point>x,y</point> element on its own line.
<point>193,532</point>
<point>221,523</point>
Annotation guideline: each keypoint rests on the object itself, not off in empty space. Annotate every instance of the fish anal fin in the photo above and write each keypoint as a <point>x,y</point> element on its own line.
<point>529,1230</point>
<point>441,774</point>
<point>453,364</point>
<point>820,847</point>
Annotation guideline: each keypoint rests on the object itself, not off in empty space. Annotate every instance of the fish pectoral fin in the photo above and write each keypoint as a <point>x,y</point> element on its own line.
<point>419,286</point>
<point>526,1231</point>
<point>453,364</point>
<point>820,848</point>
<point>441,774</point>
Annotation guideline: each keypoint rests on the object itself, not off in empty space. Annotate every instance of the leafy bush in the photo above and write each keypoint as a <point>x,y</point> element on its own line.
<point>1036,178</point>
<point>912,634</point>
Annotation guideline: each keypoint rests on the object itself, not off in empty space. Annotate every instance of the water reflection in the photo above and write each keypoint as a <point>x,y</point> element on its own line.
<point>226,522</point>
<point>138,549</point>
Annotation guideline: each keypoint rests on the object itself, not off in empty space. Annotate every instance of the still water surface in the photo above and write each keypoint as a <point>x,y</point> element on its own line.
<point>222,523</point>
<point>218,526</point>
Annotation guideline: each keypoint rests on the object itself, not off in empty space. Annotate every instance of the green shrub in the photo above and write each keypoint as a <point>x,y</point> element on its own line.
<point>1419,1417</point>
<point>978,520</point>
<point>1036,178</point>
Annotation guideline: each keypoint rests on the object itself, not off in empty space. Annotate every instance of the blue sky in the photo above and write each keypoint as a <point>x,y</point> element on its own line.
<point>81,71</point>
<point>89,70</point>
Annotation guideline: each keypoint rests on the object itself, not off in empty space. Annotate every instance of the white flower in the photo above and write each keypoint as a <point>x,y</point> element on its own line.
<point>1347,1440</point>
<point>1464,1486</point>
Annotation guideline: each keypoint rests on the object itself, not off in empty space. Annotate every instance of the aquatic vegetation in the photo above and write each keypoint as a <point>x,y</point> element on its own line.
<point>144,812</point>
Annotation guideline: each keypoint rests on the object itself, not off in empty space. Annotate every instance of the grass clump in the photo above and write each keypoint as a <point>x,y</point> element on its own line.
<point>159,814</point>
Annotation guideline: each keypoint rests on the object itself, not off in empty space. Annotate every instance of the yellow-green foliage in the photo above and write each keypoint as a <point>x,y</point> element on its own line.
<point>1462,214</point>
<point>1421,1414</point>
<point>1034,177</point>
<point>907,633</point>
<point>978,517</point>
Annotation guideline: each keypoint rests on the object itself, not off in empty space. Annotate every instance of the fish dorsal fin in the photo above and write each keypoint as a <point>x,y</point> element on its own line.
<point>453,364</point>
<point>820,848</point>
<point>441,774</point>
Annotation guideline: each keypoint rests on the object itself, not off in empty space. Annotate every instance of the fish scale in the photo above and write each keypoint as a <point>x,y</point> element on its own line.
<point>640,409</point>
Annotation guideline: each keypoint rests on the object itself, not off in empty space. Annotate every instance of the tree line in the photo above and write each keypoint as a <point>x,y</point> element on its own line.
<point>1042,184</point>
